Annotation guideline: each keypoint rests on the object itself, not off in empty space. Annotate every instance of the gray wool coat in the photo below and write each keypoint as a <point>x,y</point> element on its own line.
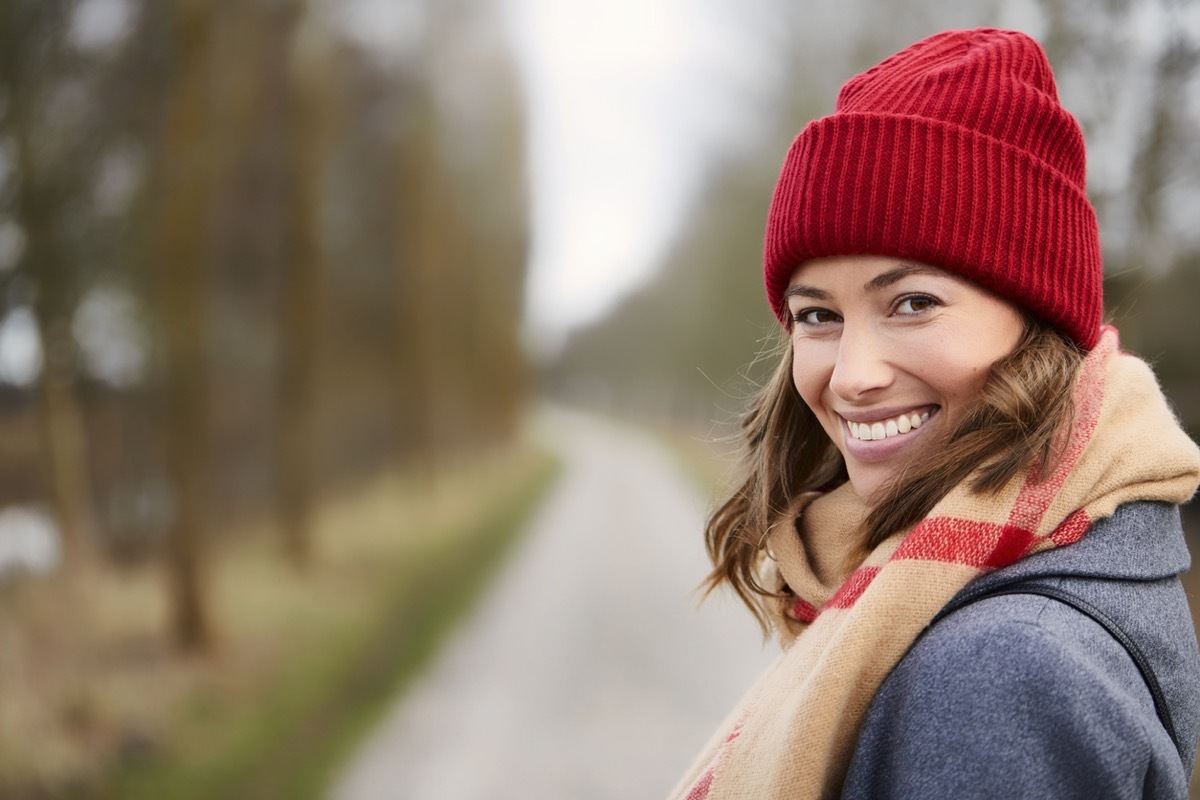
<point>1021,696</point>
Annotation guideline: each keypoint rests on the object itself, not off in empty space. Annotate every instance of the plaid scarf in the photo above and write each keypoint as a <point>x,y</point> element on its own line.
<point>793,734</point>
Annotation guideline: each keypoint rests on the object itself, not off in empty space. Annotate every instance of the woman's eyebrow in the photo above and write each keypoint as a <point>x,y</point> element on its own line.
<point>880,281</point>
<point>800,290</point>
<point>885,279</point>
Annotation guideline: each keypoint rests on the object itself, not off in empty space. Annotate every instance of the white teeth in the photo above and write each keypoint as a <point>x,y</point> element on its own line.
<point>872,431</point>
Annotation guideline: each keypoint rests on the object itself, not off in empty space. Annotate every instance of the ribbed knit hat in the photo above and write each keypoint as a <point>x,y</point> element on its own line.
<point>954,152</point>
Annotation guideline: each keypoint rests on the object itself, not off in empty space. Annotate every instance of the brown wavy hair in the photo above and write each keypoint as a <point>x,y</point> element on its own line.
<point>1011,426</point>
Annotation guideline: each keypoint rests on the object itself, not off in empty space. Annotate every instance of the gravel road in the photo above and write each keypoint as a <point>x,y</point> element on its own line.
<point>587,671</point>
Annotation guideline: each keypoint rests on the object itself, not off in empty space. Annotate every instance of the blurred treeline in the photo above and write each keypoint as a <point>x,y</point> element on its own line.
<point>1128,69</point>
<point>246,259</point>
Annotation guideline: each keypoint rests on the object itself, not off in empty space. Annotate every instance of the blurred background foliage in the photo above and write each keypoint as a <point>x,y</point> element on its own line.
<point>245,263</point>
<point>248,265</point>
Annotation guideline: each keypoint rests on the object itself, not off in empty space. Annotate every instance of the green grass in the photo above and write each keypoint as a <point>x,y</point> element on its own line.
<point>345,659</point>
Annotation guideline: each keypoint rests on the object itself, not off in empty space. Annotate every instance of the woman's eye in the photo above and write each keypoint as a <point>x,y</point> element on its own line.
<point>915,304</point>
<point>815,316</point>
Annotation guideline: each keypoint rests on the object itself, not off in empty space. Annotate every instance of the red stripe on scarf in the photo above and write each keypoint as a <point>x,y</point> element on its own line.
<point>804,611</point>
<point>954,540</point>
<point>950,539</point>
<point>853,588</point>
<point>1072,529</point>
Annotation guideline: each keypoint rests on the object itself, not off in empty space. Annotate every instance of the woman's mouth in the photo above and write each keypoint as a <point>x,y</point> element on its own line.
<point>888,427</point>
<point>876,440</point>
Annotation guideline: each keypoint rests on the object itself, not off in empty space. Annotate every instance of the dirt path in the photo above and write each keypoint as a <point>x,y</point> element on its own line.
<point>587,671</point>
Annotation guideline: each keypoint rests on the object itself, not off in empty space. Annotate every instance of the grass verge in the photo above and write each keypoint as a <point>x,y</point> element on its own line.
<point>306,661</point>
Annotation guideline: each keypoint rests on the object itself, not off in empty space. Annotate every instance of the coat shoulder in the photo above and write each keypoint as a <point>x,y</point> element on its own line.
<point>1022,695</point>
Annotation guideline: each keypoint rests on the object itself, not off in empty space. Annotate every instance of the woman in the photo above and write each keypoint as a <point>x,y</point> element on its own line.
<point>952,423</point>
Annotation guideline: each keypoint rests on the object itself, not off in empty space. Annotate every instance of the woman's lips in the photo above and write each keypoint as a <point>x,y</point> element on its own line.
<point>879,438</point>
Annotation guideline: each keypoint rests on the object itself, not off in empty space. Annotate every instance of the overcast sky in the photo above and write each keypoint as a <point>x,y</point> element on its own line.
<point>628,99</point>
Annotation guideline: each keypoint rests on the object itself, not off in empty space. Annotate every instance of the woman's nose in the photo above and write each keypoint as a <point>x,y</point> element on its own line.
<point>862,366</point>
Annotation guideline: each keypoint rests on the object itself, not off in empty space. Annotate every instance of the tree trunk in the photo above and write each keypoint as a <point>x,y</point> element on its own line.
<point>305,163</point>
<point>185,247</point>
<point>420,254</point>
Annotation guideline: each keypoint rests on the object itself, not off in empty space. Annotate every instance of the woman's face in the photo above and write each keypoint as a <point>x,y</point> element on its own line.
<point>888,353</point>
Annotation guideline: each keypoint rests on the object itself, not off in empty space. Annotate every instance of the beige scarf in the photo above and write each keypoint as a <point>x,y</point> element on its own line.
<point>793,734</point>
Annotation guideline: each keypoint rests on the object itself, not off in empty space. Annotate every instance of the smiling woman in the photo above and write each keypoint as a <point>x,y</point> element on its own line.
<point>950,422</point>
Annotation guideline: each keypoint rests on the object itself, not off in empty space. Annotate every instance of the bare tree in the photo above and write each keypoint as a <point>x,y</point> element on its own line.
<point>305,78</point>
<point>423,233</point>
<point>183,258</point>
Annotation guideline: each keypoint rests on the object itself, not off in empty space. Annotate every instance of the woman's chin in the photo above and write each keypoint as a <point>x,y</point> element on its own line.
<point>868,487</point>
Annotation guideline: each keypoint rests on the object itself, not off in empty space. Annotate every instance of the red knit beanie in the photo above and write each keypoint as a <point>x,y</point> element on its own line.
<point>954,152</point>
